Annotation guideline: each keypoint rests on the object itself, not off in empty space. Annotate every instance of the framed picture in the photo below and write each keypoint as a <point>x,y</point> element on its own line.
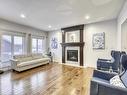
<point>54,43</point>
<point>98,41</point>
<point>72,36</point>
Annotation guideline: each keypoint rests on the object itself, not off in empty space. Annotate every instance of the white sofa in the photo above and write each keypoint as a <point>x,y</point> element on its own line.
<point>24,62</point>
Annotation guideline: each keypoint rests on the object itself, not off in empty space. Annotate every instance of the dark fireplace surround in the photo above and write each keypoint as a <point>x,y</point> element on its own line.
<point>78,44</point>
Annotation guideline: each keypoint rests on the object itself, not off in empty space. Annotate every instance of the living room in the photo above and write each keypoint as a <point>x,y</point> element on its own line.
<point>69,47</point>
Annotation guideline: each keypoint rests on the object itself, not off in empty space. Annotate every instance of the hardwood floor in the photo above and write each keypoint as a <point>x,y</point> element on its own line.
<point>50,79</point>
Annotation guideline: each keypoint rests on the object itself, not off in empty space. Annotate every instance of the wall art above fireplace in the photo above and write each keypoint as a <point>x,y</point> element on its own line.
<point>72,36</point>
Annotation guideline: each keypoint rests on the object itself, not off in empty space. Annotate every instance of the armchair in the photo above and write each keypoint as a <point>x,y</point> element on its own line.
<point>121,67</point>
<point>100,84</point>
<point>106,64</point>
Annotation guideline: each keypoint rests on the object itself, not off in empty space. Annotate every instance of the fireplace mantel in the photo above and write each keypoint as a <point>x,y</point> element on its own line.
<point>79,44</point>
<point>73,44</point>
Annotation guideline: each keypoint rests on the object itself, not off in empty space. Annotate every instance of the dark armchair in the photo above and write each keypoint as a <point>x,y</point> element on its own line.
<point>100,84</point>
<point>106,64</point>
<point>121,67</point>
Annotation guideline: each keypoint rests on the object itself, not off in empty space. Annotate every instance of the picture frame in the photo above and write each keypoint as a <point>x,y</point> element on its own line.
<point>54,43</point>
<point>98,41</point>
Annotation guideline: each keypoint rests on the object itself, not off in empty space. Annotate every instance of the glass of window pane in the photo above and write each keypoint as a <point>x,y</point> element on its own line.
<point>18,45</point>
<point>34,45</point>
<point>6,48</point>
<point>40,45</point>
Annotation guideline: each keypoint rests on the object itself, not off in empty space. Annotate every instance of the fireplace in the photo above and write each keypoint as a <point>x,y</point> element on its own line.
<point>72,55</point>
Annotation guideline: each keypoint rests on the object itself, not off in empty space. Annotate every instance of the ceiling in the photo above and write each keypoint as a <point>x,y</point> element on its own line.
<point>51,15</point>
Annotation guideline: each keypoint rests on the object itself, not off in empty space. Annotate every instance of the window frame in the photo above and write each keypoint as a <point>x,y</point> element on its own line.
<point>37,44</point>
<point>12,35</point>
<point>23,44</point>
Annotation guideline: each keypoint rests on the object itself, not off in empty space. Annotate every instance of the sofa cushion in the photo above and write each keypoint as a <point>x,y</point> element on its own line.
<point>100,80</point>
<point>33,62</point>
<point>37,55</point>
<point>21,56</point>
<point>116,81</point>
<point>124,78</point>
<point>24,59</point>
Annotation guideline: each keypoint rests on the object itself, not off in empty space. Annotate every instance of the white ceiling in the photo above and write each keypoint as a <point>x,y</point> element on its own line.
<point>58,13</point>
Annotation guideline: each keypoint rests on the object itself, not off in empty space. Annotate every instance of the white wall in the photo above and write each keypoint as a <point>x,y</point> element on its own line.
<point>124,36</point>
<point>10,26</point>
<point>110,29</point>
<point>7,26</point>
<point>121,18</point>
<point>90,55</point>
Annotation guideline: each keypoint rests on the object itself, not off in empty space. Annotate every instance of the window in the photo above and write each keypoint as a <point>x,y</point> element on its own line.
<point>11,45</point>
<point>18,45</point>
<point>6,48</point>
<point>37,45</point>
<point>34,45</point>
<point>40,45</point>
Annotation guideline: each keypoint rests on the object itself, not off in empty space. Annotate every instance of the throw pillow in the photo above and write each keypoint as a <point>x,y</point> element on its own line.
<point>116,81</point>
<point>124,78</point>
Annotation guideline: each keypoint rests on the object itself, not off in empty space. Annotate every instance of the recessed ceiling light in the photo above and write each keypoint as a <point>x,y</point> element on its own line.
<point>49,26</point>
<point>22,16</point>
<point>87,17</point>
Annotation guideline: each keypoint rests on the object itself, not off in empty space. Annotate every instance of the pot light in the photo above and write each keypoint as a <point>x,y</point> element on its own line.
<point>87,17</point>
<point>49,26</point>
<point>22,16</point>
